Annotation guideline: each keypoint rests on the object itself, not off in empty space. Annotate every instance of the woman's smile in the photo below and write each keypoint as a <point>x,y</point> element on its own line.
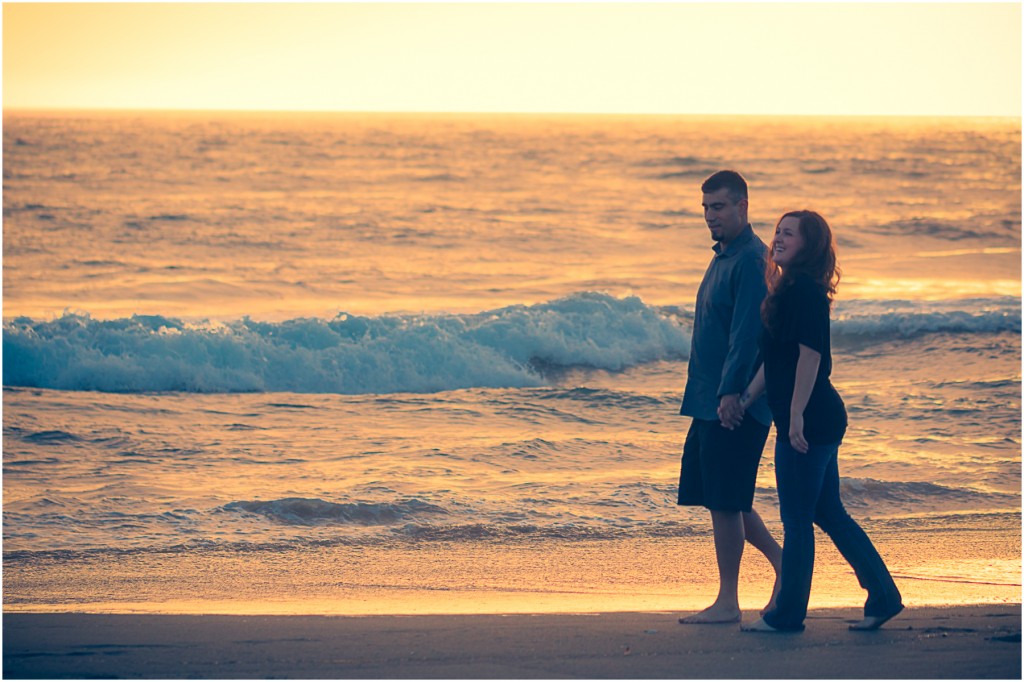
<point>787,242</point>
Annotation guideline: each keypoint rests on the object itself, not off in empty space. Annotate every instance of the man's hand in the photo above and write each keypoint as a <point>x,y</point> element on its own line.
<point>729,411</point>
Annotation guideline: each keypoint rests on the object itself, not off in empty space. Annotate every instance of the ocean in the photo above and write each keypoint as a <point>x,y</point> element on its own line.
<point>384,363</point>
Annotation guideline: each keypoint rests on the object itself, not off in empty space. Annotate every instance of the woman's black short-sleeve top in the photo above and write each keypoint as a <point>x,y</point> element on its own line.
<point>802,317</point>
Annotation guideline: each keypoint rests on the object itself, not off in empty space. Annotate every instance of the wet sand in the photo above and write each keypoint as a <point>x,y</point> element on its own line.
<point>925,643</point>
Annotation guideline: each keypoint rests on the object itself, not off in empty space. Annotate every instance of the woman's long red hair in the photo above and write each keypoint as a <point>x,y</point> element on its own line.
<point>817,259</point>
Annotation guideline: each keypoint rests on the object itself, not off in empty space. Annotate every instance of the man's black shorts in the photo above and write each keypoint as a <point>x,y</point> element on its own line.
<point>719,466</point>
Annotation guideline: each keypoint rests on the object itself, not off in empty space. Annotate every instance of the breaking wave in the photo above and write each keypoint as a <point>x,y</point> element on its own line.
<point>886,320</point>
<point>512,347</point>
<point>349,354</point>
<point>311,512</point>
<point>920,496</point>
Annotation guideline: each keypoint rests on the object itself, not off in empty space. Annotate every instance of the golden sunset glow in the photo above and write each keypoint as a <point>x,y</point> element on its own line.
<point>330,310</point>
<point>680,58</point>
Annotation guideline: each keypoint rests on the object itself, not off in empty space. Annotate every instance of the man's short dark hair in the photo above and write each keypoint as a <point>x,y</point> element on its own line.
<point>730,180</point>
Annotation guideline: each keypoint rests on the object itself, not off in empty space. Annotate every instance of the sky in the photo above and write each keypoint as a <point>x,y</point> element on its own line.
<point>924,59</point>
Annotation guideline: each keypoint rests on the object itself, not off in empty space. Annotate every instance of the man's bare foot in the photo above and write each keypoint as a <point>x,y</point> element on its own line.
<point>875,622</point>
<point>714,614</point>
<point>758,626</point>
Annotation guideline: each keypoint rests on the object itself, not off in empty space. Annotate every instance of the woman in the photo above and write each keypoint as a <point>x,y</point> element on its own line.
<point>810,422</point>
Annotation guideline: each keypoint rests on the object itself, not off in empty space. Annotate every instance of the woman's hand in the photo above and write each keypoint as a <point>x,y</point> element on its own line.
<point>733,407</point>
<point>806,371</point>
<point>796,434</point>
<point>730,412</point>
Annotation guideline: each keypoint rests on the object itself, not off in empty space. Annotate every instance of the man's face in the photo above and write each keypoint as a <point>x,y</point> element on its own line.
<point>725,219</point>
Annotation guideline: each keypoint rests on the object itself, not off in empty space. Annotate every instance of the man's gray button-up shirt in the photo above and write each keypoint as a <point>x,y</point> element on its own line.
<point>726,329</point>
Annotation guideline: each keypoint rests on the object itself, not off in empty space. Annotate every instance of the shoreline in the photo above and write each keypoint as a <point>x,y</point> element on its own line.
<point>972,562</point>
<point>978,641</point>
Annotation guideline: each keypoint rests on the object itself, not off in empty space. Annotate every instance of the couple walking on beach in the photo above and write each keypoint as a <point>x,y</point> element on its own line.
<point>761,352</point>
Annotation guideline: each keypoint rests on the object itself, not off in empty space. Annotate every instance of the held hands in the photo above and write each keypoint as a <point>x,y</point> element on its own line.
<point>730,411</point>
<point>796,434</point>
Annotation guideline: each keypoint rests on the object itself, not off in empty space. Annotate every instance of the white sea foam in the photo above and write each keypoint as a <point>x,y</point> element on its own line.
<point>509,347</point>
<point>906,320</point>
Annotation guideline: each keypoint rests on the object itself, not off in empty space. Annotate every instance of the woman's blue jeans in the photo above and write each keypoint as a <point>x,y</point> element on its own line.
<point>808,486</point>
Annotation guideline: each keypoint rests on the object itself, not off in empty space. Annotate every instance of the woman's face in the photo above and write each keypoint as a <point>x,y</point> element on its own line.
<point>788,241</point>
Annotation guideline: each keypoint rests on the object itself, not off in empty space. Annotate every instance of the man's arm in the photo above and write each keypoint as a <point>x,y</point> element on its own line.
<point>745,328</point>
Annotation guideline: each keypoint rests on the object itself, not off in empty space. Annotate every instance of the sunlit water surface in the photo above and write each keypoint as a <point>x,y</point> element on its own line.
<point>406,364</point>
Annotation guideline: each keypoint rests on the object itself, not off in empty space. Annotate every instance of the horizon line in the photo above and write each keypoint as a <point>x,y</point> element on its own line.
<point>195,110</point>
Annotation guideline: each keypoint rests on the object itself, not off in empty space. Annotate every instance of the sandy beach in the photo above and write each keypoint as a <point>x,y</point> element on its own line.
<point>971,642</point>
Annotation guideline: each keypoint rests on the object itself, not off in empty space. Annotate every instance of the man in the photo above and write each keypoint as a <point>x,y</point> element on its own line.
<point>723,446</point>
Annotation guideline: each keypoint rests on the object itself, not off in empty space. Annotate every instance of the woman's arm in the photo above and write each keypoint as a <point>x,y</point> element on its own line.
<point>754,389</point>
<point>806,373</point>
